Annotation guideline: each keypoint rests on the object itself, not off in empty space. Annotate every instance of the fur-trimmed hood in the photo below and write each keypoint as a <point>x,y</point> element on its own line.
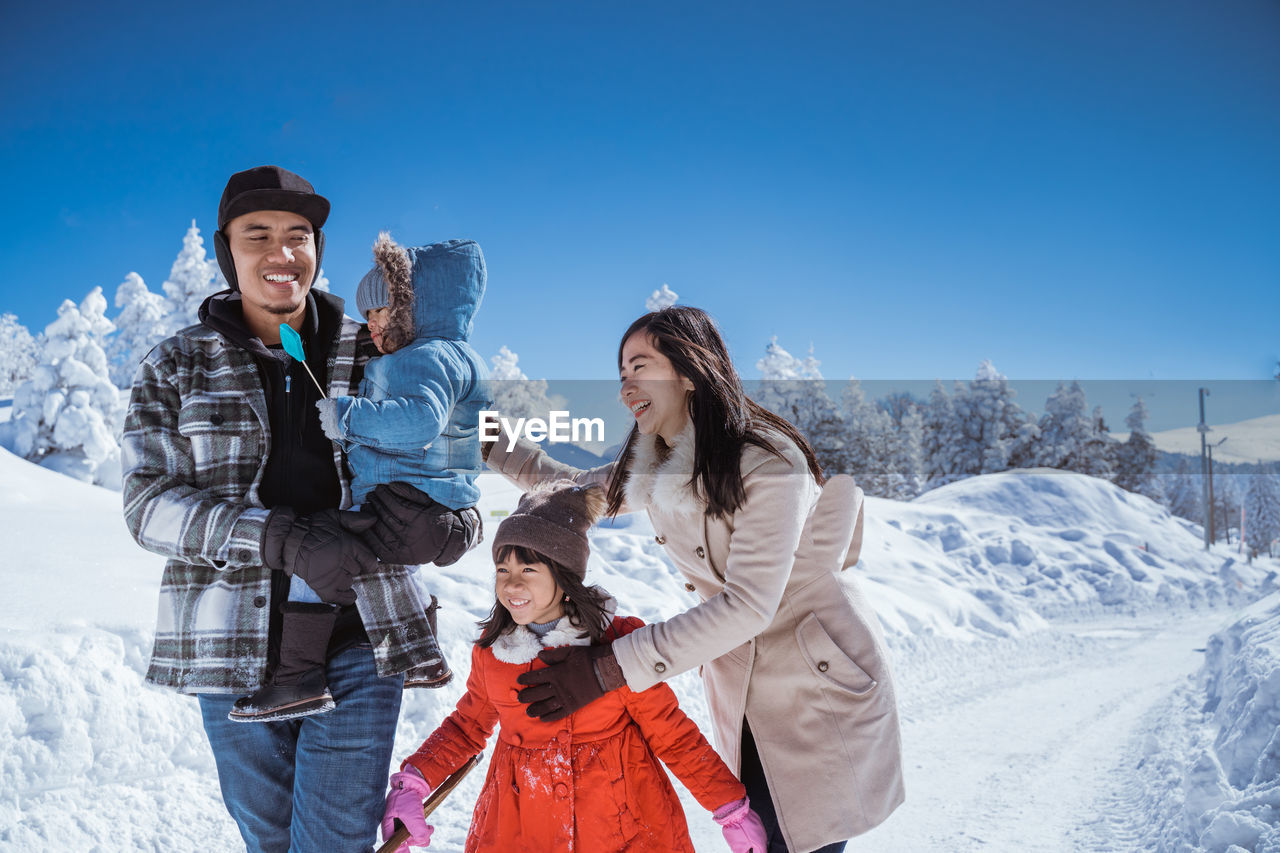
<point>520,645</point>
<point>664,482</point>
<point>433,291</point>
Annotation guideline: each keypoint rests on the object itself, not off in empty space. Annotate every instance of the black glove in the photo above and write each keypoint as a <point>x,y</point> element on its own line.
<point>575,676</point>
<point>324,549</point>
<point>412,529</point>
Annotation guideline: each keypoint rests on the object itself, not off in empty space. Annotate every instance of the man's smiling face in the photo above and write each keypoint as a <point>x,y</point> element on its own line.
<point>275,257</point>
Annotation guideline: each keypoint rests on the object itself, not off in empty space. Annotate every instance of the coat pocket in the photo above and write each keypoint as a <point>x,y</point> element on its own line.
<point>224,435</point>
<point>828,661</point>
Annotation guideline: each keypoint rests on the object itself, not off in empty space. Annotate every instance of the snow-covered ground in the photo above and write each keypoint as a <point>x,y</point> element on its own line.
<point>1047,631</point>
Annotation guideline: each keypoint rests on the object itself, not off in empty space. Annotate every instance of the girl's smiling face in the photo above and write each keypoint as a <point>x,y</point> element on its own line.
<point>656,394</point>
<point>528,591</point>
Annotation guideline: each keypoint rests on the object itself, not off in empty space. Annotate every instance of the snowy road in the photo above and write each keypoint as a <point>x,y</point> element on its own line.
<point>1031,751</point>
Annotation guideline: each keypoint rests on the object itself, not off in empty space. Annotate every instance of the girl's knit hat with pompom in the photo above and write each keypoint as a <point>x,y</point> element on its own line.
<point>553,519</point>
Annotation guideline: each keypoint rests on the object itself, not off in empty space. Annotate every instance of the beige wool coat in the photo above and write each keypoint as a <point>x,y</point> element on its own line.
<point>784,639</point>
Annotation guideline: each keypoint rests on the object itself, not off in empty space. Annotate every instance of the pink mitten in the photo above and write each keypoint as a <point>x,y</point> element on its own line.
<point>404,803</point>
<point>742,827</point>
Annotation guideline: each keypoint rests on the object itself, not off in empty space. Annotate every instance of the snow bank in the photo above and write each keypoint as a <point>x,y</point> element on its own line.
<point>1059,544</point>
<point>1233,788</point>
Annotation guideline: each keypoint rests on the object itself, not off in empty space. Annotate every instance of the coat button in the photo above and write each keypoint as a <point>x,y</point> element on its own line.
<point>690,587</point>
<point>700,551</point>
<point>562,790</point>
<point>244,556</point>
<point>659,667</point>
<point>822,666</point>
<point>215,419</point>
<point>661,540</point>
<point>259,601</point>
<point>517,739</point>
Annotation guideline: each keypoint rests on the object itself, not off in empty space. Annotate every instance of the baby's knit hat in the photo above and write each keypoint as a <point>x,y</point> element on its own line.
<point>371,292</point>
<point>552,519</point>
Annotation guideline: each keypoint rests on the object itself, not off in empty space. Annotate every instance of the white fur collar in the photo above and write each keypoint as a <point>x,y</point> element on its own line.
<point>664,484</point>
<point>520,645</point>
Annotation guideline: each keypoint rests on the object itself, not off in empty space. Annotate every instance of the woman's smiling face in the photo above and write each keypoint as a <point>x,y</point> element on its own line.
<point>656,394</point>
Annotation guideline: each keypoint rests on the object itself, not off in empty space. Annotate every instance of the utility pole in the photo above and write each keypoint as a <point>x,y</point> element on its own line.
<point>1212,526</point>
<point>1206,497</point>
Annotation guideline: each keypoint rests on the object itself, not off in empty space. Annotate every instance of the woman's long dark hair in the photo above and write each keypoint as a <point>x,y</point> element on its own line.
<point>725,420</point>
<point>585,609</point>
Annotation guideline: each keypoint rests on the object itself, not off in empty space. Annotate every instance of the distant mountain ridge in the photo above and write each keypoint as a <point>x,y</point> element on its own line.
<point>1248,442</point>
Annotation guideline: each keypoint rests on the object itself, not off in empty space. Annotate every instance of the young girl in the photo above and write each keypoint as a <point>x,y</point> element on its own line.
<point>590,782</point>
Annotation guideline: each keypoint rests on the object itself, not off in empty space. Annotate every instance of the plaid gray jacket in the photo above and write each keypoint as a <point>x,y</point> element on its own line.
<point>196,441</point>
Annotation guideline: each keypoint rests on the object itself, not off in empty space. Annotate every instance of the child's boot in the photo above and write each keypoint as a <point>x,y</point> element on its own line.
<point>299,686</point>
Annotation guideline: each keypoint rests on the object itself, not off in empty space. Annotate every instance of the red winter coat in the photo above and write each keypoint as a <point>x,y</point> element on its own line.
<point>590,783</point>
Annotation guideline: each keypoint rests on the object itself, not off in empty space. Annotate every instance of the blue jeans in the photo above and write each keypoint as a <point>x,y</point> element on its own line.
<point>316,783</point>
<point>758,792</point>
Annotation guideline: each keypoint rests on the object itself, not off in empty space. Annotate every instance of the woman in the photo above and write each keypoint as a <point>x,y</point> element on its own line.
<point>792,658</point>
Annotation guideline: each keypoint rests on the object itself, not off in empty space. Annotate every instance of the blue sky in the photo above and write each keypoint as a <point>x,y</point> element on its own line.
<point>1084,190</point>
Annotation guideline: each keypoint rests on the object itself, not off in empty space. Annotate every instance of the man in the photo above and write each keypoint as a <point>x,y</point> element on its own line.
<point>229,475</point>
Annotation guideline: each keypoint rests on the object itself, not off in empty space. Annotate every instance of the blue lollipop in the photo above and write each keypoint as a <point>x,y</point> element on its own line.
<point>293,346</point>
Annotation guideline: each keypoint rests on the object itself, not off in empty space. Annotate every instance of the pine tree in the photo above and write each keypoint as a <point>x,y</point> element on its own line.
<point>17,354</point>
<point>1261,511</point>
<point>939,436</point>
<point>190,282</point>
<point>1072,440</point>
<point>1184,493</point>
<point>779,370</point>
<point>868,452</point>
<point>1136,458</point>
<point>514,394</point>
<point>140,325</point>
<point>68,414</point>
<point>995,433</point>
<point>1064,428</point>
<point>1098,459</point>
<point>906,459</point>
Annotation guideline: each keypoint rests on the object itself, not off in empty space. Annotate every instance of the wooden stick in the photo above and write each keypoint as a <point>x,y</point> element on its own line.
<point>401,835</point>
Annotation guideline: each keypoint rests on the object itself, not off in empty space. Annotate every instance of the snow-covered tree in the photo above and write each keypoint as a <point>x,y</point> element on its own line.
<point>68,414</point>
<point>1261,511</point>
<point>514,394</point>
<point>94,310</point>
<point>1136,458</point>
<point>191,281</point>
<point>664,297</point>
<point>995,433</point>
<point>795,389</point>
<point>865,453</point>
<point>1069,438</point>
<point>140,325</point>
<point>939,437</point>
<point>1065,427</point>
<point>17,354</point>
<point>906,456</point>
<point>779,370</point>
<point>1184,493</point>
<point>1099,449</point>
